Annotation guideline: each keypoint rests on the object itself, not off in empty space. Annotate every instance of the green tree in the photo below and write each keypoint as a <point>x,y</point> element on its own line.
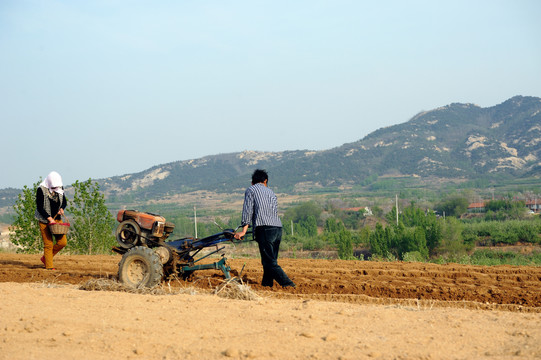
<point>345,245</point>
<point>419,242</point>
<point>92,228</point>
<point>306,227</point>
<point>409,240</point>
<point>380,241</point>
<point>453,206</point>
<point>505,209</point>
<point>303,216</point>
<point>25,229</point>
<point>391,216</point>
<point>331,230</point>
<point>333,225</point>
<point>452,244</point>
<point>363,237</point>
<point>412,216</point>
<point>433,231</point>
<point>426,234</point>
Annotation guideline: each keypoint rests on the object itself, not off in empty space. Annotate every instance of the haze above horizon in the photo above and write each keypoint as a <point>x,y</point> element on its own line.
<point>98,89</point>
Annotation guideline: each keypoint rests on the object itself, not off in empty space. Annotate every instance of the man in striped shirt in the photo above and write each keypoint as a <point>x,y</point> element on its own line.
<point>261,210</point>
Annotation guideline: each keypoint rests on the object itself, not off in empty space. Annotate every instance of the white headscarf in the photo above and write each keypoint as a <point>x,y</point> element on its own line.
<point>53,182</point>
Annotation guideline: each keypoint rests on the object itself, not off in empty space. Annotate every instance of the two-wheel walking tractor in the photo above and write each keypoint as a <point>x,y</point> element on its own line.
<point>147,258</point>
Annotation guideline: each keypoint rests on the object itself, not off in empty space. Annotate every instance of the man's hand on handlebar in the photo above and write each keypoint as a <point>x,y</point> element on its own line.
<point>239,235</point>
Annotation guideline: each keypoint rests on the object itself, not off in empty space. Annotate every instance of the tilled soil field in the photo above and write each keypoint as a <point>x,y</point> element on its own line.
<point>510,288</point>
<point>340,310</point>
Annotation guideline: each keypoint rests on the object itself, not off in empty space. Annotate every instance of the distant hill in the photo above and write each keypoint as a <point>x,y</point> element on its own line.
<point>457,141</point>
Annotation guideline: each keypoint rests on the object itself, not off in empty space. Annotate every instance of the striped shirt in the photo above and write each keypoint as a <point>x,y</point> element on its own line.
<point>260,207</point>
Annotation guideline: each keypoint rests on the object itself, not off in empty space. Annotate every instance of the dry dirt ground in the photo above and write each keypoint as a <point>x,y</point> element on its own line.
<point>339,310</point>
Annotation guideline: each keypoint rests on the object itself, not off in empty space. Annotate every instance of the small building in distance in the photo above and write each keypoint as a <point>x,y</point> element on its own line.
<point>477,207</point>
<point>534,205</point>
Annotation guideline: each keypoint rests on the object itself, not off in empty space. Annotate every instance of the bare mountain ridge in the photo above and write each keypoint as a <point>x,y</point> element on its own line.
<point>462,141</point>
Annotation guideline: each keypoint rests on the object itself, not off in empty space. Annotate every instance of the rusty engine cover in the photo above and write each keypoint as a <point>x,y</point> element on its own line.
<point>147,221</point>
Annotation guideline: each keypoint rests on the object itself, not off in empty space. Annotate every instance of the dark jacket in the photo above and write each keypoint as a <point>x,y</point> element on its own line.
<point>48,204</point>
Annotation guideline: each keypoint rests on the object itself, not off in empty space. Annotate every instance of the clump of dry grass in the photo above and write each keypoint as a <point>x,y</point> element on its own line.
<point>112,285</point>
<point>234,288</point>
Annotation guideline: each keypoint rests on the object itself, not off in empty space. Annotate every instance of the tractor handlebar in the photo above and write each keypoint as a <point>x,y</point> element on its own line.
<point>242,239</point>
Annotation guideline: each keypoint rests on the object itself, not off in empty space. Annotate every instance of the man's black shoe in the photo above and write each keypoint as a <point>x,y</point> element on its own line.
<point>290,285</point>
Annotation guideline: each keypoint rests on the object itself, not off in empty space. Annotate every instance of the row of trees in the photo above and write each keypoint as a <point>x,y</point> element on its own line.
<point>419,234</point>
<point>91,222</point>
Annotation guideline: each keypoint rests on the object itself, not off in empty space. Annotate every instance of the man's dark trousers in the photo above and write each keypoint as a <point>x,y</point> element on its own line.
<point>268,238</point>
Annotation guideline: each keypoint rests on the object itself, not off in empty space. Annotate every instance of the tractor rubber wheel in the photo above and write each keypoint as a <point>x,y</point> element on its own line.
<point>140,267</point>
<point>128,233</point>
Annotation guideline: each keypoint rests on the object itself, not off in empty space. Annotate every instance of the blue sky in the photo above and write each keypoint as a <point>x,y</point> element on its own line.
<point>94,89</point>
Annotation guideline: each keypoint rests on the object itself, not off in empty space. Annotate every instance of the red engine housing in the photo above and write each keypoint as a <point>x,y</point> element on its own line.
<point>154,224</point>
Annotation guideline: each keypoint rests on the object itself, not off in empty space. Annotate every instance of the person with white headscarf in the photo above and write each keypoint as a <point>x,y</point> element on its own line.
<point>50,205</point>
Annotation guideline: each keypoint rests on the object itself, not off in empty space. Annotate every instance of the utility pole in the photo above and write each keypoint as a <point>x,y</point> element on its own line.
<point>292,228</point>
